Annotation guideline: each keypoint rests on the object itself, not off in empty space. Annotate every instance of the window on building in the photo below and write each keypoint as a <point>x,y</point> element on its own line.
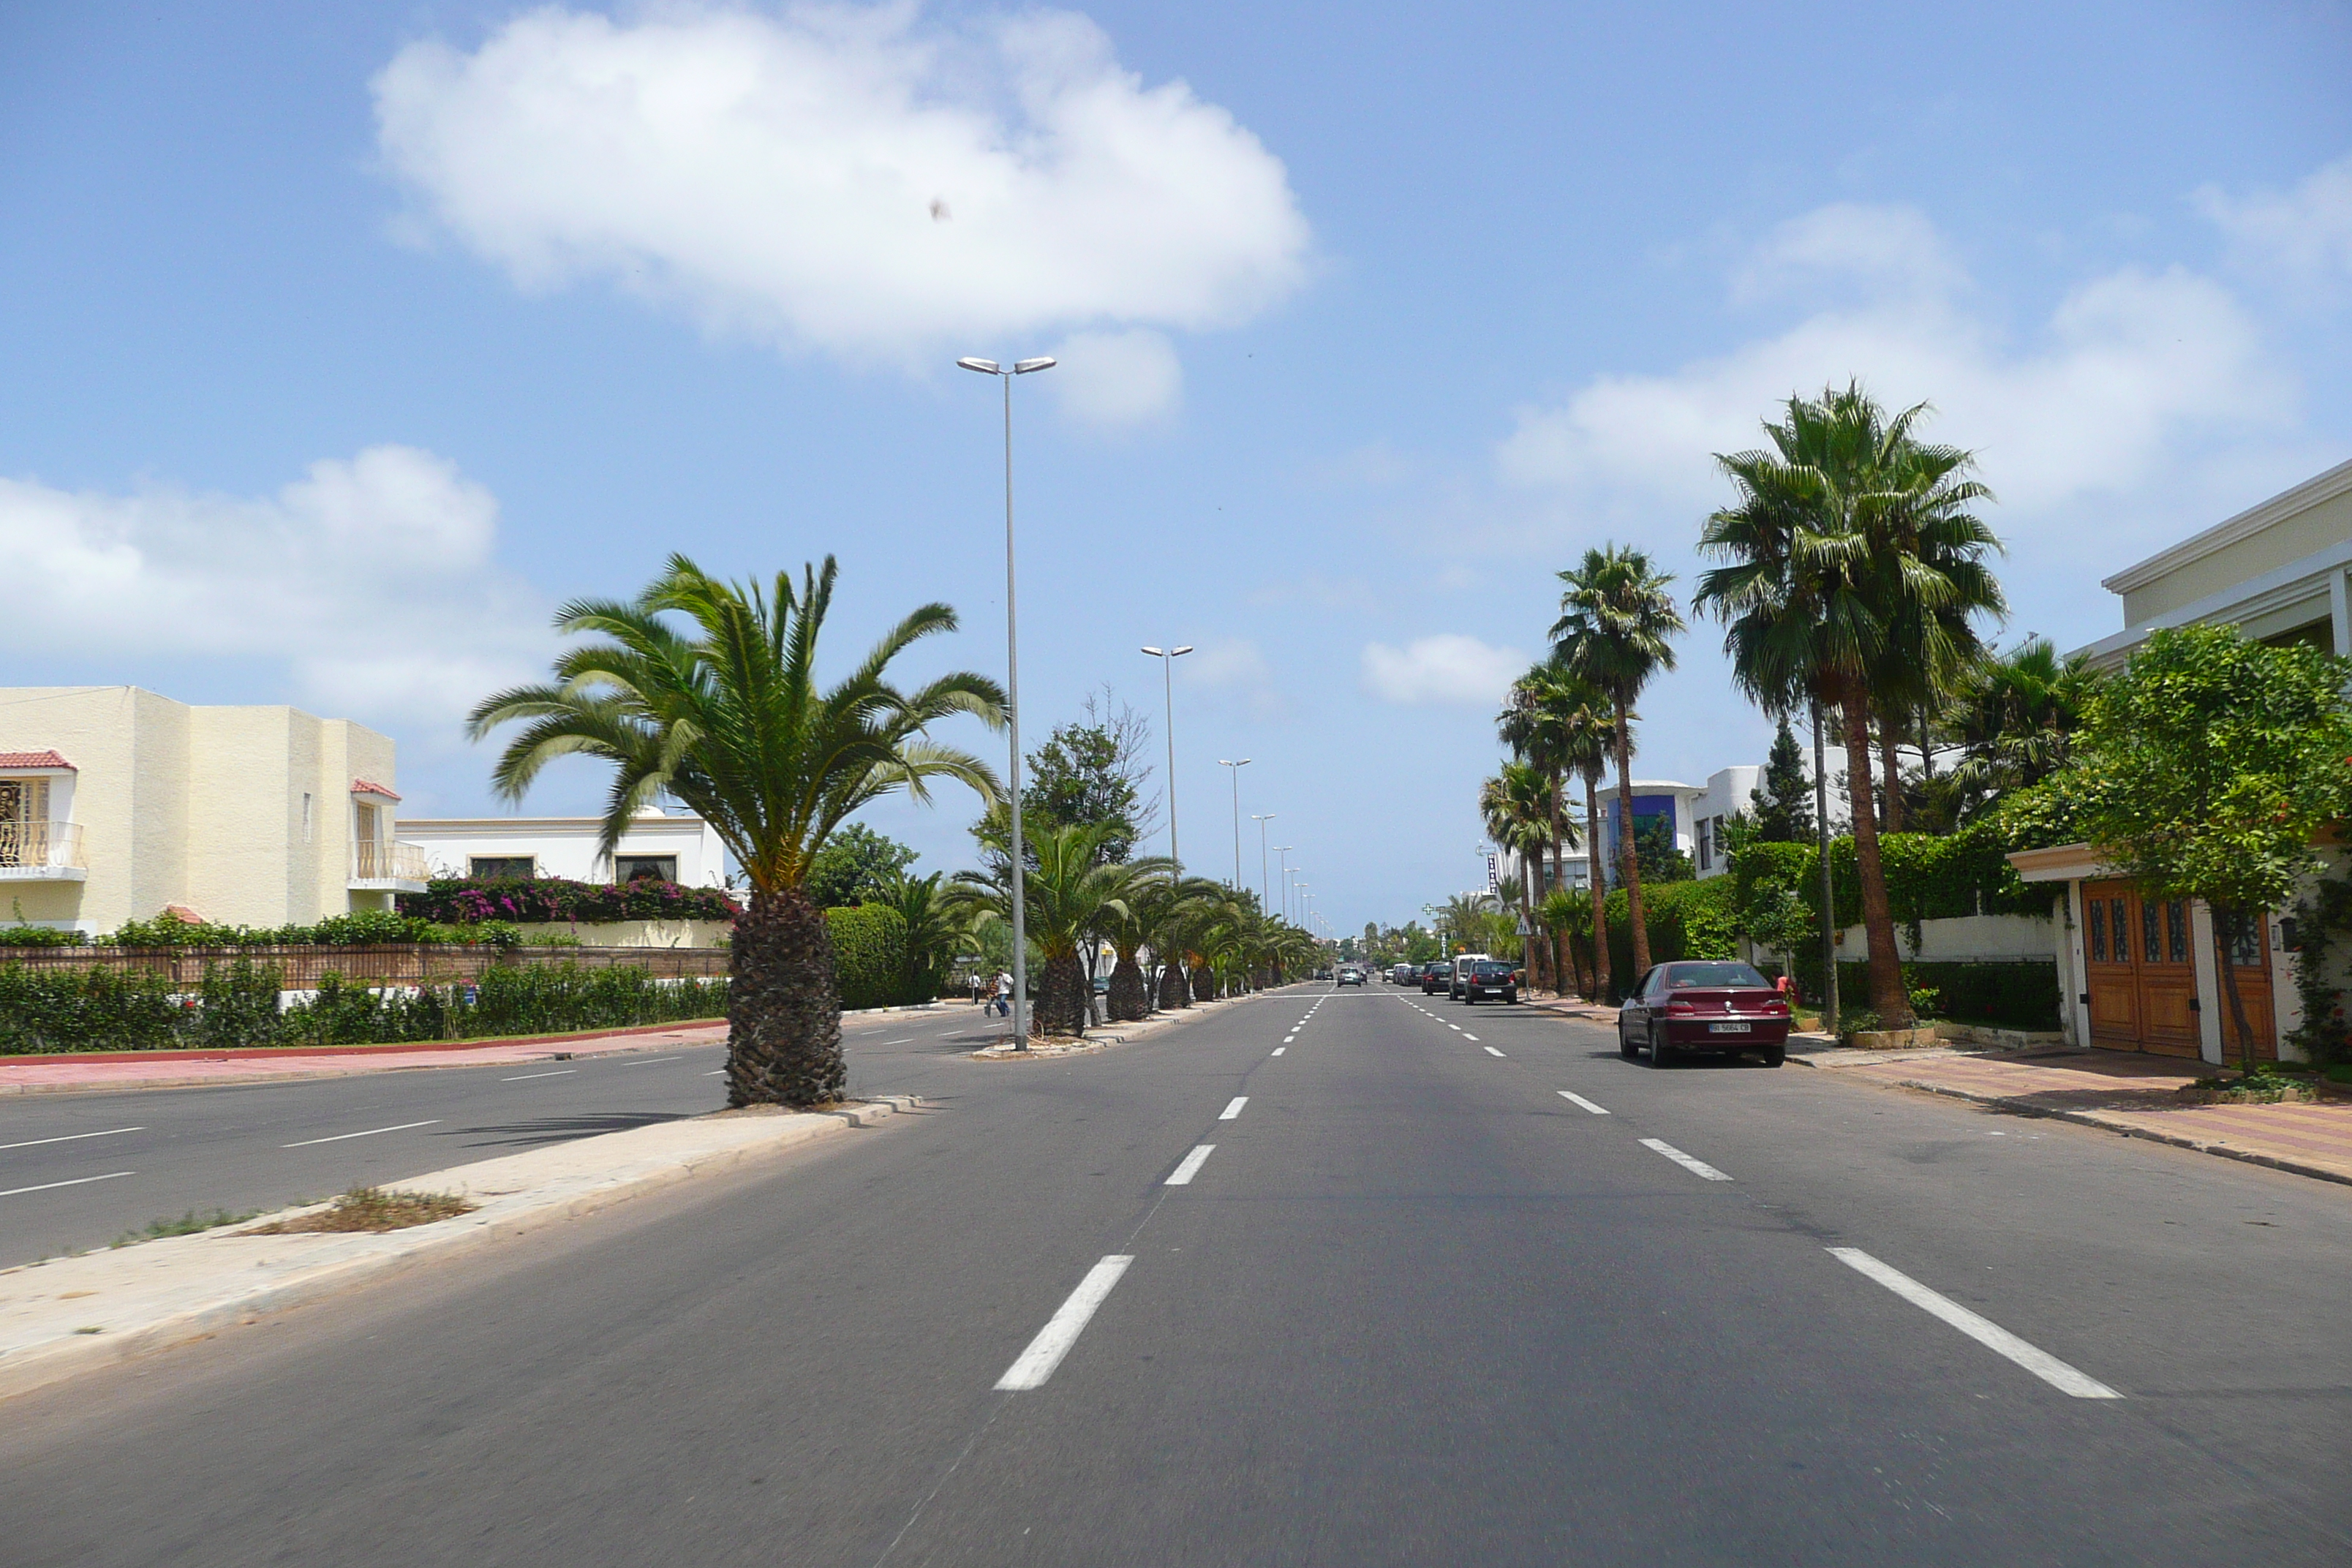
<point>502,868</point>
<point>2098,909</point>
<point>638,868</point>
<point>1705,843</point>
<point>367,824</point>
<point>24,821</point>
<point>306,816</point>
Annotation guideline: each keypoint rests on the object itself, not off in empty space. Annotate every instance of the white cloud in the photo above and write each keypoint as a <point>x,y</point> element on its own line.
<point>2302,236</point>
<point>1112,379</point>
<point>1448,669</point>
<point>851,178</point>
<point>372,580</point>
<point>1235,662</point>
<point>2127,365</point>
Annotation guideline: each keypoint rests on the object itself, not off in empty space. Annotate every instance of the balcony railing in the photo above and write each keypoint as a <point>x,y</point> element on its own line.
<point>32,847</point>
<point>376,861</point>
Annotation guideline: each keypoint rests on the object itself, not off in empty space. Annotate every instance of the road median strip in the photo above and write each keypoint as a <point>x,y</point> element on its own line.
<point>75,1314</point>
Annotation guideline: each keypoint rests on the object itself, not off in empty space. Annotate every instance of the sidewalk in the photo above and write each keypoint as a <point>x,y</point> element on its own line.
<point>69,1315</point>
<point>2121,1091</point>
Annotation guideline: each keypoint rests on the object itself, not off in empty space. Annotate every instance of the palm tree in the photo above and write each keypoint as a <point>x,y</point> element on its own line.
<point>936,923</point>
<point>1851,547</point>
<point>2015,715</point>
<point>1557,723</point>
<point>727,718</point>
<point>1516,807</point>
<point>1067,896</point>
<point>1616,623</point>
<point>1143,921</point>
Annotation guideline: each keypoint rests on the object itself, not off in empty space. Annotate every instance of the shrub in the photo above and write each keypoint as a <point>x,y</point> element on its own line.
<point>47,1010</point>
<point>1685,919</point>
<point>2014,994</point>
<point>21,935</point>
<point>869,954</point>
<point>549,899</point>
<point>363,928</point>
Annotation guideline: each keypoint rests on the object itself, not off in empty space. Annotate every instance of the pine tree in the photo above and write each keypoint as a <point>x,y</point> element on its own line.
<point>1784,808</point>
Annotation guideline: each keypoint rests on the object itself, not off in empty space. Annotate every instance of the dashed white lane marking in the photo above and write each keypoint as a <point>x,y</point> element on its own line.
<point>1233,1110</point>
<point>1578,1100</point>
<point>76,1182</point>
<point>526,1077</point>
<point>1279,1049</point>
<point>910,1039</point>
<point>1468,1036</point>
<point>650,1061</point>
<point>1985,1331</point>
<point>716,1072</point>
<point>1456,1027</point>
<point>1696,1167</point>
<point>1491,1051</point>
<point>370,1133</point>
<point>1036,1365</point>
<point>70,1137</point>
<point>1190,1167</point>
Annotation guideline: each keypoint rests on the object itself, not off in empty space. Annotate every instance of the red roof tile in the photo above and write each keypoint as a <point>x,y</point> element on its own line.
<point>369,786</point>
<point>35,760</point>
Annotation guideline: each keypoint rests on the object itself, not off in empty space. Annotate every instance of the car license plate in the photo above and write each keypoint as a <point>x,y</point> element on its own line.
<point>1727,1028</point>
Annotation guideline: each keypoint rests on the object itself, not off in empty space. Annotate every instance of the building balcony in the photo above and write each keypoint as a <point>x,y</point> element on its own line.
<point>380,867</point>
<point>41,852</point>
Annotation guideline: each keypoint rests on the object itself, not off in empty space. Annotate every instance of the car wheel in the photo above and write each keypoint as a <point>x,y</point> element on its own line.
<point>1512,997</point>
<point>1776,1056</point>
<point>1661,1053</point>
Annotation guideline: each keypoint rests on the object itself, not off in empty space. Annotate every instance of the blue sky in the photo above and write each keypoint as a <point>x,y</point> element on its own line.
<point>342,344</point>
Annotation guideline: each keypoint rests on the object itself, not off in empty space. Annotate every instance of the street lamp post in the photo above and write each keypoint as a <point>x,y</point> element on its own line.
<point>1237,768</point>
<point>1284,850</point>
<point>1012,693</point>
<point>1168,658</point>
<point>1264,888</point>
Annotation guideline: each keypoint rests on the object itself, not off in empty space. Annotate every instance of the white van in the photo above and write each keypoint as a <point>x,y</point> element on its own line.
<point>1461,968</point>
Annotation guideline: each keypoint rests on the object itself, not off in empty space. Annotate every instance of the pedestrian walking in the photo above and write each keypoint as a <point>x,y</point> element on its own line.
<point>1003,995</point>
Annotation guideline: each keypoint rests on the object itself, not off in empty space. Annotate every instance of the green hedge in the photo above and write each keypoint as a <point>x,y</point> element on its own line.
<point>44,1010</point>
<point>1929,877</point>
<point>869,955</point>
<point>1685,919</point>
<point>545,900</point>
<point>2010,994</point>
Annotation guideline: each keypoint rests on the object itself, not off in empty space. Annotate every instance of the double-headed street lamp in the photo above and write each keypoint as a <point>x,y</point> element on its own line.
<point>1012,693</point>
<point>1264,889</point>
<point>1168,658</point>
<point>1237,768</point>
<point>1284,864</point>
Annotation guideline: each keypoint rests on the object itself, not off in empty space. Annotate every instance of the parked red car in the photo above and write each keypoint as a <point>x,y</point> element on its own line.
<point>1703,1006</point>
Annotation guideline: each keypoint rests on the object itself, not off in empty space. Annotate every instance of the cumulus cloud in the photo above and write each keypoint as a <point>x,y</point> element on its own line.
<point>370,580</point>
<point>2301,236</point>
<point>856,180</point>
<point>1112,379</point>
<point>2125,366</point>
<point>1447,669</point>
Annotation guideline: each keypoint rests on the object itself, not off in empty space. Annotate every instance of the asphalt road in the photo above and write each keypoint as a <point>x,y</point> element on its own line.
<point>80,1171</point>
<point>1412,1306</point>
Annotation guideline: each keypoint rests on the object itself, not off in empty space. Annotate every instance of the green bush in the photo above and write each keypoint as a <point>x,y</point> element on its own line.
<point>2010,994</point>
<point>545,899</point>
<point>46,1010</point>
<point>869,954</point>
<point>1929,877</point>
<point>1685,919</point>
<point>364,927</point>
<point>23,935</point>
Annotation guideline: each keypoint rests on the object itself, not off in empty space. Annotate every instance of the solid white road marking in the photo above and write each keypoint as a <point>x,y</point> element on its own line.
<point>1493,1052</point>
<point>370,1133</point>
<point>1230,1111</point>
<point>1579,1100</point>
<point>1696,1167</point>
<point>78,1181</point>
<point>526,1077</point>
<point>1279,1049</point>
<point>1036,1364</point>
<point>70,1137</point>
<point>1990,1334</point>
<point>1190,1167</point>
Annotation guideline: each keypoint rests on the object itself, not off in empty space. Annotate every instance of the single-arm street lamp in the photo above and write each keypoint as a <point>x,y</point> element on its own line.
<point>1012,694</point>
<point>1237,768</point>
<point>1168,658</point>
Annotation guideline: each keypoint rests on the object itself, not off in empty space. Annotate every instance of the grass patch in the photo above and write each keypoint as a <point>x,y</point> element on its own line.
<point>188,1223</point>
<point>373,1208</point>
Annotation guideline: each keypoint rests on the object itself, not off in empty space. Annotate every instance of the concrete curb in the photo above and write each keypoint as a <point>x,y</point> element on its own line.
<point>2016,1107</point>
<point>149,1297</point>
<point>1102,1039</point>
<point>609,1044</point>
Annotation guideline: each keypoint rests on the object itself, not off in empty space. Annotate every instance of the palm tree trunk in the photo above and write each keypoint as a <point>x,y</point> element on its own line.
<point>1205,982</point>
<point>1559,964</point>
<point>1061,999</point>
<point>1172,994</point>
<point>783,1010</point>
<point>1887,997</point>
<point>1629,869</point>
<point>1890,765</point>
<point>1128,997</point>
<point>1600,892</point>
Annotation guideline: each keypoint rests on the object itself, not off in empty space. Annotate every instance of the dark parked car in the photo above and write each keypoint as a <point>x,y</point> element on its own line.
<point>1436,975</point>
<point>1694,1006</point>
<point>1490,977</point>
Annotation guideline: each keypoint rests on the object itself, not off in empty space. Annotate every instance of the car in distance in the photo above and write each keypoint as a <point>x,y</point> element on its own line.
<point>1351,976</point>
<point>1703,1005</point>
<point>1403,975</point>
<point>1436,975</point>
<point>1462,963</point>
<point>1490,977</point>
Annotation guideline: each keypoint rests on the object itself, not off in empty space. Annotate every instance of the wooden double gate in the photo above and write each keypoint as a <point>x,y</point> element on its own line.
<point>2143,975</point>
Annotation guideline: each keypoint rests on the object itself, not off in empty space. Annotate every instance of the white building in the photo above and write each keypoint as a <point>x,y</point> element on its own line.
<point>676,847</point>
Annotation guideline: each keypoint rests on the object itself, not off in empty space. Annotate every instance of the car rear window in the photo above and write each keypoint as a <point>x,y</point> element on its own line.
<point>1688,976</point>
<point>1492,971</point>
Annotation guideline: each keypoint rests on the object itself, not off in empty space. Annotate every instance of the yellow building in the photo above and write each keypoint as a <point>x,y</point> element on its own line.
<point>117,804</point>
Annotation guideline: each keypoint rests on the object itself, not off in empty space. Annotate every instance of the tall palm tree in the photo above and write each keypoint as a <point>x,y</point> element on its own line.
<point>1617,623</point>
<point>1557,723</point>
<point>726,715</point>
<point>1147,914</point>
<point>2015,715</point>
<point>936,924</point>
<point>1067,896</point>
<point>1850,545</point>
<point>1516,807</point>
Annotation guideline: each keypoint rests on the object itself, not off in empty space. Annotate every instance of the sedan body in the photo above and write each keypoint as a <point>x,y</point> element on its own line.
<point>1490,979</point>
<point>1698,1005</point>
<point>1436,975</point>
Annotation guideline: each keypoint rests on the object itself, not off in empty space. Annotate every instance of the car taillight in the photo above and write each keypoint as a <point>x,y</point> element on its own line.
<point>1681,1008</point>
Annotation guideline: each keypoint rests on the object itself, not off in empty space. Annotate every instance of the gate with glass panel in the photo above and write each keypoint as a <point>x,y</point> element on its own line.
<point>2142,963</point>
